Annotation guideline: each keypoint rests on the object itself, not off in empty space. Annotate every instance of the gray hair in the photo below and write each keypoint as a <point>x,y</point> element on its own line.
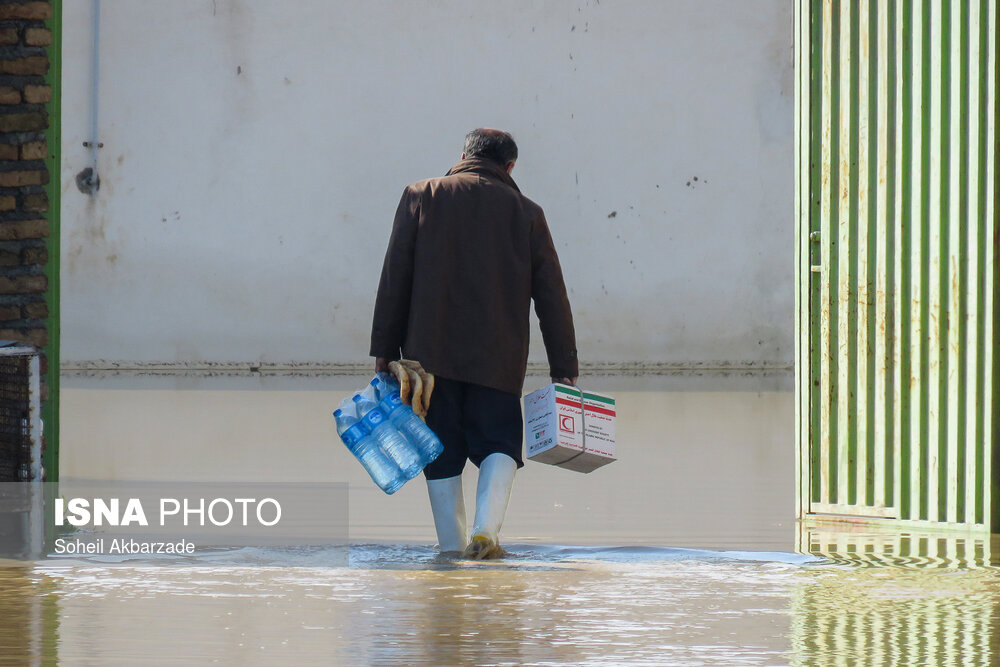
<point>490,144</point>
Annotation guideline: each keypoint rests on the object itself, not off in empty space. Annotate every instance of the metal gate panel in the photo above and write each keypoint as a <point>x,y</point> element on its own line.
<point>895,261</point>
<point>20,415</point>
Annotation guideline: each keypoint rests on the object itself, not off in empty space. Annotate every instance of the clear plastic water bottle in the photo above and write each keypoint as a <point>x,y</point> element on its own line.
<point>402,417</point>
<point>389,439</point>
<point>383,470</point>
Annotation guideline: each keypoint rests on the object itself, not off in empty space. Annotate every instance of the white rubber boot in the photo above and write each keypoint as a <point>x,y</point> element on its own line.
<point>448,507</point>
<point>496,477</point>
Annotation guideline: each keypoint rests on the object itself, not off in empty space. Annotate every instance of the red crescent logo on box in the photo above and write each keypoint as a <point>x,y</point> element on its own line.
<point>567,423</point>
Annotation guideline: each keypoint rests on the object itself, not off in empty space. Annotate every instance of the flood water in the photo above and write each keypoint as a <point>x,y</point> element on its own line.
<point>683,552</point>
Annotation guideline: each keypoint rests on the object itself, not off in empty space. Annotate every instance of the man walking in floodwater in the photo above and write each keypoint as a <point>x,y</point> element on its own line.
<point>467,255</point>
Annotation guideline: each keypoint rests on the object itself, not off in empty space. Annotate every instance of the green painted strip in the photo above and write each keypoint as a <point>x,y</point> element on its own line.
<point>940,504</point>
<point>963,262</point>
<point>590,397</point>
<point>816,255</point>
<point>844,290</point>
<point>832,240</point>
<point>822,309</point>
<point>851,344</point>
<point>906,260</point>
<point>924,287</point>
<point>955,282</point>
<point>980,231</point>
<point>992,513</point>
<point>868,398</point>
<point>50,411</point>
<point>891,330</point>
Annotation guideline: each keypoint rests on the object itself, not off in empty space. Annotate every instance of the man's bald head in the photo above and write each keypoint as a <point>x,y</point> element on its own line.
<point>490,144</point>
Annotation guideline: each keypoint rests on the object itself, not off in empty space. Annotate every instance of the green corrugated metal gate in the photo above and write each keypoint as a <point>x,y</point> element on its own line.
<point>896,248</point>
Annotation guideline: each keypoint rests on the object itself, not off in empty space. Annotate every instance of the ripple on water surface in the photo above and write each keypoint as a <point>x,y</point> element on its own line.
<point>544,604</point>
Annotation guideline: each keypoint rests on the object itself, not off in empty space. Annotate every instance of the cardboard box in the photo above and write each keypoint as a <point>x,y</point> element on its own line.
<point>553,428</point>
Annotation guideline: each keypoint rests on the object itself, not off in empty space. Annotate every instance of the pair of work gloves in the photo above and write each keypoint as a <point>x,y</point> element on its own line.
<point>415,384</point>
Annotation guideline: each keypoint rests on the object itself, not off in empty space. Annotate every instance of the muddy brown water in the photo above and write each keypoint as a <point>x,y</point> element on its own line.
<point>683,552</point>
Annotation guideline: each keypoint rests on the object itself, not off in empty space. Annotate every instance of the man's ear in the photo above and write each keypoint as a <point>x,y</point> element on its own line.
<point>510,166</point>
<point>463,156</point>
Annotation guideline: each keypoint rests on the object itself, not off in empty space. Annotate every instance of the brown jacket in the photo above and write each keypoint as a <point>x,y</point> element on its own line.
<point>467,254</point>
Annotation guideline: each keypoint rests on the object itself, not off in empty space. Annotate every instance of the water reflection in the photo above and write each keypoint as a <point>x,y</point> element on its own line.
<point>855,544</point>
<point>908,598</point>
<point>468,616</point>
<point>29,610</point>
<point>546,605</point>
<point>575,611</point>
<point>877,617</point>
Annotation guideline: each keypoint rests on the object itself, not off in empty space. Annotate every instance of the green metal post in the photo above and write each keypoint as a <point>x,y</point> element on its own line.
<point>50,411</point>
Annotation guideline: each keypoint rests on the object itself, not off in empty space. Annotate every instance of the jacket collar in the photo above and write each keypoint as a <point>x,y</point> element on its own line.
<point>484,167</point>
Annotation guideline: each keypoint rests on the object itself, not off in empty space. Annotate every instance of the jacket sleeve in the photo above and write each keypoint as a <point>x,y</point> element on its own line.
<point>551,302</point>
<point>392,302</point>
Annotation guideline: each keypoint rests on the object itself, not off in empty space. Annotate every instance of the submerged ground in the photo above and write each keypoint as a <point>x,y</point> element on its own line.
<point>684,552</point>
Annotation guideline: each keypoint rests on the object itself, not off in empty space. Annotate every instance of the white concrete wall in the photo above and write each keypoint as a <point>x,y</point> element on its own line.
<point>254,152</point>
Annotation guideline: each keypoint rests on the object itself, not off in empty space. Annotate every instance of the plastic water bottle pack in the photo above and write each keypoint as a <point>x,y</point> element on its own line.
<point>391,442</point>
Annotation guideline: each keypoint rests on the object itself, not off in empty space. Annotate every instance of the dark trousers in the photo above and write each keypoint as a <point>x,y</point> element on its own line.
<point>473,422</point>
